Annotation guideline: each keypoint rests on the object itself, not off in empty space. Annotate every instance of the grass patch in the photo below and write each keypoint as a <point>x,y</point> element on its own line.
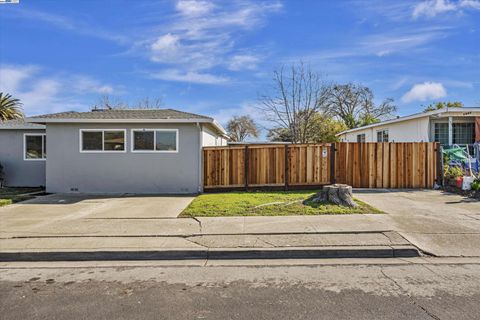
<point>264,203</point>
<point>14,195</point>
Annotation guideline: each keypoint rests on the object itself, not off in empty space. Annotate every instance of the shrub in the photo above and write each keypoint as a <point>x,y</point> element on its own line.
<point>476,184</point>
<point>452,172</point>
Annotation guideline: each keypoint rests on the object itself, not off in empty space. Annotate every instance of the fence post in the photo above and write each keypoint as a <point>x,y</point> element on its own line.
<point>285,176</point>
<point>246,166</point>
<point>438,149</point>
<point>332,163</point>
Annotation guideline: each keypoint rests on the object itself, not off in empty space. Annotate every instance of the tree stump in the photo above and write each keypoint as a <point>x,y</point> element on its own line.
<point>340,194</point>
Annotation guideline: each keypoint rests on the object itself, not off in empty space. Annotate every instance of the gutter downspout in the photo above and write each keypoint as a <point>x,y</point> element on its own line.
<point>200,165</point>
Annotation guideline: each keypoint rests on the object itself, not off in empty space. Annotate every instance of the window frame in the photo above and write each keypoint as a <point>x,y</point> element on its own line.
<point>383,135</point>
<point>438,125</point>
<point>44,140</point>
<point>364,138</point>
<point>456,126</point>
<point>103,141</point>
<point>154,130</point>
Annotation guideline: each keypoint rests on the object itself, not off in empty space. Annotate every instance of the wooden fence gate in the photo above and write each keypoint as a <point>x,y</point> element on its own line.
<point>366,165</point>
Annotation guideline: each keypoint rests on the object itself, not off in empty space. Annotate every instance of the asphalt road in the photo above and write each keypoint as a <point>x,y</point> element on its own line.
<point>150,291</point>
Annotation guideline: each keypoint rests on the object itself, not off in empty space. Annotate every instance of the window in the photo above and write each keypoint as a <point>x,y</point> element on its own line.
<point>144,140</point>
<point>100,140</point>
<point>35,146</point>
<point>464,133</point>
<point>382,136</point>
<point>441,133</point>
<point>361,137</point>
<point>155,140</point>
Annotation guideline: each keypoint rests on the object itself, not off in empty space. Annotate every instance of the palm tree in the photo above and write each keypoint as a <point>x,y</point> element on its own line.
<point>10,108</point>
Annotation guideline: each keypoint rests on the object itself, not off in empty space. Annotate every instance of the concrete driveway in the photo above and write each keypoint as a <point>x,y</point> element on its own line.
<point>440,223</point>
<point>83,214</point>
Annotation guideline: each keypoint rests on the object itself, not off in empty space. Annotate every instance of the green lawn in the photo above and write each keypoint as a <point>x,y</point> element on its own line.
<point>264,203</point>
<point>14,195</point>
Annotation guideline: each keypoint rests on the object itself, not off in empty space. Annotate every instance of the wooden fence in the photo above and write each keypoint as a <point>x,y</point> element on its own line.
<point>387,165</point>
<point>367,165</point>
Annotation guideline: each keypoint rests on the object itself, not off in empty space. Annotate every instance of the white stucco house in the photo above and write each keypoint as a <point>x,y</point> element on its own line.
<point>447,126</point>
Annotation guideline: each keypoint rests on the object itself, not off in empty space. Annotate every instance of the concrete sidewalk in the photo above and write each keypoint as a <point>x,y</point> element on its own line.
<point>414,219</point>
<point>219,246</point>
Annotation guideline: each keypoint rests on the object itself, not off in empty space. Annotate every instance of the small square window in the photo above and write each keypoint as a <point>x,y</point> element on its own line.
<point>382,135</point>
<point>35,147</point>
<point>361,137</point>
<point>143,140</point>
<point>166,141</point>
<point>92,140</point>
<point>114,141</point>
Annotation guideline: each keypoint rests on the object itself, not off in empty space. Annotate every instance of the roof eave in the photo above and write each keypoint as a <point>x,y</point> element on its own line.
<point>411,117</point>
<point>22,128</point>
<point>214,123</point>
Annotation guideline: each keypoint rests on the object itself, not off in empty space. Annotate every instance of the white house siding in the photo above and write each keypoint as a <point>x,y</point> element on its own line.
<point>211,139</point>
<point>415,130</point>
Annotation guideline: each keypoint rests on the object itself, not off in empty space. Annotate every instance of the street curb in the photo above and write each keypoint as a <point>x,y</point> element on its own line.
<point>219,254</point>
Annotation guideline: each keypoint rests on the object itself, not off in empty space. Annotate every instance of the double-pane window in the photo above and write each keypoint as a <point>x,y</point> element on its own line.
<point>102,140</point>
<point>155,140</point>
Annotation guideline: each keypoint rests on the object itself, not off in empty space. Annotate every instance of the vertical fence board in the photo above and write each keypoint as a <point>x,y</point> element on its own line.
<point>393,166</point>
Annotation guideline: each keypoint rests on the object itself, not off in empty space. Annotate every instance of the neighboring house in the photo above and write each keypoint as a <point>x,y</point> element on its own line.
<point>127,151</point>
<point>447,126</point>
<point>22,153</point>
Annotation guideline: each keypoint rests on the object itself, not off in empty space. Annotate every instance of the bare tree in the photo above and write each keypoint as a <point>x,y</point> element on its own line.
<point>298,95</point>
<point>354,105</point>
<point>109,103</point>
<point>149,103</point>
<point>240,128</point>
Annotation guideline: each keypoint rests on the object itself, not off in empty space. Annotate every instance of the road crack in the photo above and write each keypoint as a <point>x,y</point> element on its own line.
<point>199,224</point>
<point>415,303</point>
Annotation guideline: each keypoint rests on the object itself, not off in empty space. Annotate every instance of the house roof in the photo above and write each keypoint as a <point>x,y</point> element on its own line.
<point>20,124</point>
<point>441,112</point>
<point>123,114</point>
<point>126,116</point>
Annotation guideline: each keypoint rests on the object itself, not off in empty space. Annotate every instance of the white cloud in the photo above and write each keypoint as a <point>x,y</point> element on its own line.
<point>41,92</point>
<point>425,91</point>
<point>189,76</point>
<point>203,36</point>
<point>85,84</point>
<point>194,7</point>
<point>223,115</point>
<point>392,42</point>
<point>11,77</point>
<point>243,61</point>
<point>473,4</point>
<point>165,49</point>
<point>381,44</point>
<point>432,8</point>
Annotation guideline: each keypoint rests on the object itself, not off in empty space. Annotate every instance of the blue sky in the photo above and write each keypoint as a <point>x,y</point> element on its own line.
<point>216,57</point>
